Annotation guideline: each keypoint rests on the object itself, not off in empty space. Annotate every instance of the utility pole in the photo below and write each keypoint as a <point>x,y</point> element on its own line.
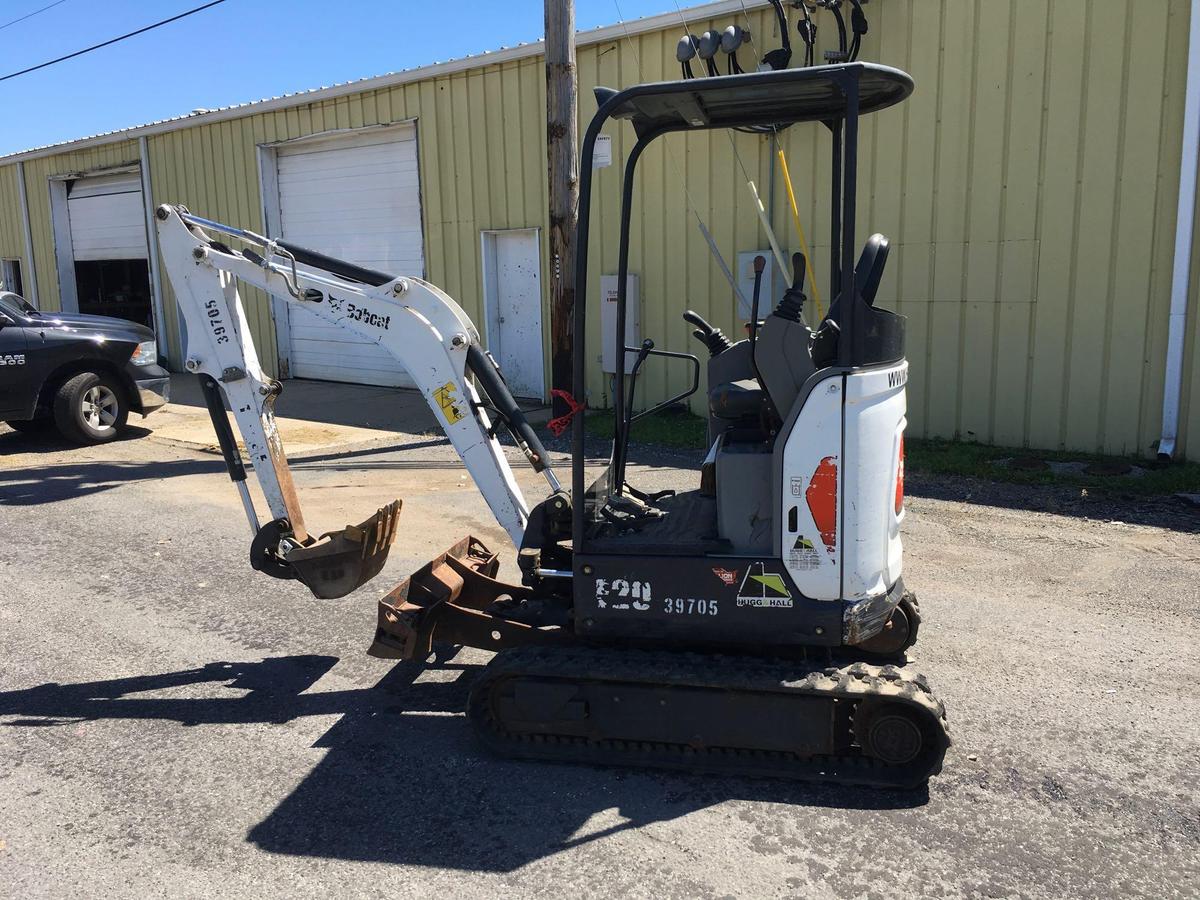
<point>562,154</point>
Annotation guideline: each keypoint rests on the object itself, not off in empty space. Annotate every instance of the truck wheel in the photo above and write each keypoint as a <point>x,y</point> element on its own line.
<point>90,408</point>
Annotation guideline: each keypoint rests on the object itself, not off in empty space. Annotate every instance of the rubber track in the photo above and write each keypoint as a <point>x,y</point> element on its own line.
<point>854,682</point>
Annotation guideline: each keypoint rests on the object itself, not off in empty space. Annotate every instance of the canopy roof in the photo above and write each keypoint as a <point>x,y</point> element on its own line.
<point>814,94</point>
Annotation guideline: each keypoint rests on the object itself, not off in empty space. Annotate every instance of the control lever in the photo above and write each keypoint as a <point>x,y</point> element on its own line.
<point>760,263</point>
<point>694,318</point>
<point>791,307</point>
<point>713,338</point>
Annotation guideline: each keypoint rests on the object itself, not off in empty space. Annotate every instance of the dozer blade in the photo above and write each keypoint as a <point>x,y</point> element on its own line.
<point>452,599</point>
<point>342,561</point>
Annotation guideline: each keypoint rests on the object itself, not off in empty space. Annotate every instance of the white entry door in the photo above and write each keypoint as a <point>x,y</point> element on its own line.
<point>512,275</point>
<point>356,197</point>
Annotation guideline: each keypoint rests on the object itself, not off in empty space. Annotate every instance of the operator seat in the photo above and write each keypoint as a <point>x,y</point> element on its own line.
<point>737,399</point>
<point>868,274</point>
<point>871,262</point>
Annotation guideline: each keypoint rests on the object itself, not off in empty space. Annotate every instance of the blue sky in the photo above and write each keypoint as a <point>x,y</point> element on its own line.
<point>241,50</point>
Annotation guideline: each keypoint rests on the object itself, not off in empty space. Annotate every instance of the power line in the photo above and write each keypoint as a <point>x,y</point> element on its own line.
<point>32,14</point>
<point>107,43</point>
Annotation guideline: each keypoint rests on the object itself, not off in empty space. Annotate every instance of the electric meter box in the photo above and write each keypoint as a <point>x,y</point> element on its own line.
<point>608,322</point>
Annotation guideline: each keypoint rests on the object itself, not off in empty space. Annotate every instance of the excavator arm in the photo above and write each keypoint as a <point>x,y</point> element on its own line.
<point>419,326</point>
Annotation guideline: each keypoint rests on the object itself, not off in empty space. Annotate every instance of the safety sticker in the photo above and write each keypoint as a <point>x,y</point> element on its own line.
<point>446,399</point>
<point>762,588</point>
<point>797,485</point>
<point>621,593</point>
<point>727,576</point>
<point>803,556</point>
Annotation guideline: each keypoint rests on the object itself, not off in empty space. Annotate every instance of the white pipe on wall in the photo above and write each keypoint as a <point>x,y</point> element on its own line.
<point>160,319</point>
<point>1185,223</point>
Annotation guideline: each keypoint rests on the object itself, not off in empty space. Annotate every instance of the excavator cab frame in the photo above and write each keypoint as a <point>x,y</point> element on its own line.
<point>835,95</point>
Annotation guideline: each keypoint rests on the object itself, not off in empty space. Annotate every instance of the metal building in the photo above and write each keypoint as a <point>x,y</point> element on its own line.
<point>1030,188</point>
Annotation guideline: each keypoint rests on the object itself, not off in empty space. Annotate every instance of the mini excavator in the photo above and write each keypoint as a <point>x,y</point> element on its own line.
<point>749,624</point>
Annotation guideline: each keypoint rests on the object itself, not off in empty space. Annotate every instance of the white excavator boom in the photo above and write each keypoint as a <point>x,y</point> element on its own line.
<point>419,326</point>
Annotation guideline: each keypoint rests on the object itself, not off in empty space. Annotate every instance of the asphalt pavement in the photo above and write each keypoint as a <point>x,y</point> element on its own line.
<point>174,724</point>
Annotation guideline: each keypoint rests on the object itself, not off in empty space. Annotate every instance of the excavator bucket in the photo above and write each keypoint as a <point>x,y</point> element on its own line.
<point>342,561</point>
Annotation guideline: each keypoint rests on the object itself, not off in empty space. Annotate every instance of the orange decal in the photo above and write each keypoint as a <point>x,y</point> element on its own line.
<point>900,479</point>
<point>726,575</point>
<point>822,501</point>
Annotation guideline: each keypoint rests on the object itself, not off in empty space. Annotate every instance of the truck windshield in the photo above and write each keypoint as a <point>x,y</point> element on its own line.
<point>14,305</point>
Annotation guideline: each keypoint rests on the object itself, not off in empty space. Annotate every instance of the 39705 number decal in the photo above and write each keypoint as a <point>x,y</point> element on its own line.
<point>213,311</point>
<point>689,606</point>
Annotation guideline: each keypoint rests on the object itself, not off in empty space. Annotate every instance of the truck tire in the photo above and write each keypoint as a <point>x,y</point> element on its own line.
<point>90,408</point>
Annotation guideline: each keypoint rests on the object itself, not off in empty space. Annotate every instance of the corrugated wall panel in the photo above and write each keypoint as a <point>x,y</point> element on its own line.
<point>1028,188</point>
<point>12,234</point>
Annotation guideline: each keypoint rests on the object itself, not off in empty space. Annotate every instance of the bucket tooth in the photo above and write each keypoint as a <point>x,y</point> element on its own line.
<point>342,561</point>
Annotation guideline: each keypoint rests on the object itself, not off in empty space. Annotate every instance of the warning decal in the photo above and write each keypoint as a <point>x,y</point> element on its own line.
<point>802,555</point>
<point>448,402</point>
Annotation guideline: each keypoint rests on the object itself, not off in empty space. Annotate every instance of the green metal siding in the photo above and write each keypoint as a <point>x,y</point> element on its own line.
<point>12,236</point>
<point>1029,189</point>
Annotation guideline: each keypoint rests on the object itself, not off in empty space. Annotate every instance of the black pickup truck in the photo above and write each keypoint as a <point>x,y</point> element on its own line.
<point>81,374</point>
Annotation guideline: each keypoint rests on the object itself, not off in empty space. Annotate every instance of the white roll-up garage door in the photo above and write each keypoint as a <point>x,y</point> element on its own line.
<point>356,197</point>
<point>107,218</point>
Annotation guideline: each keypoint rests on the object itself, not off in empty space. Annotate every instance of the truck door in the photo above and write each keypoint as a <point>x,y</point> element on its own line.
<point>17,388</point>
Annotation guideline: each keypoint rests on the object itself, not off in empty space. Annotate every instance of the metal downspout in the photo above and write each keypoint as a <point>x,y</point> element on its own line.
<point>1184,227</point>
<point>30,277</point>
<point>156,287</point>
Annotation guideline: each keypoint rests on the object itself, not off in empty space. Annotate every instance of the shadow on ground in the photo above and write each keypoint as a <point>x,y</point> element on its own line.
<point>36,485</point>
<point>403,781</point>
<point>48,440</point>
